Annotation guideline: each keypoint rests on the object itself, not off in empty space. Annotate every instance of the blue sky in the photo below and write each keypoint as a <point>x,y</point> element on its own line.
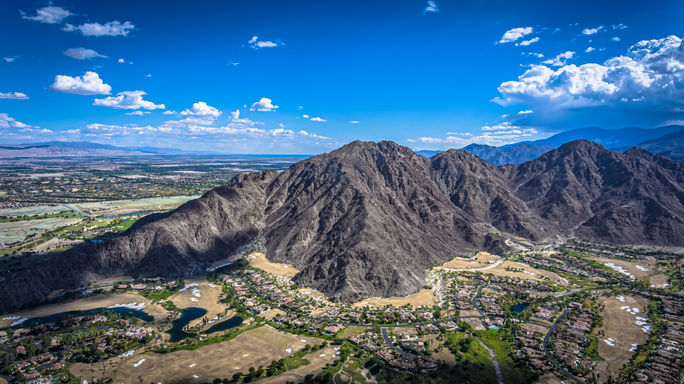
<point>306,77</point>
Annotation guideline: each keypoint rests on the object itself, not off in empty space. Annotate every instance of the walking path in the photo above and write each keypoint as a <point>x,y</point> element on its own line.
<point>493,358</point>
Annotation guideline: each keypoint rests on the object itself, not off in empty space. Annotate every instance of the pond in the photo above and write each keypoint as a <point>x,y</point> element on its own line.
<point>187,315</point>
<point>517,308</point>
<point>224,325</point>
<point>123,311</point>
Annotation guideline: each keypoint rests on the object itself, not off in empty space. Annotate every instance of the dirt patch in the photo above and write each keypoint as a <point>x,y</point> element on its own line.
<point>480,260</point>
<point>438,351</point>
<point>253,348</point>
<point>423,297</point>
<point>660,280</point>
<point>624,322</point>
<point>259,260</point>
<point>87,303</point>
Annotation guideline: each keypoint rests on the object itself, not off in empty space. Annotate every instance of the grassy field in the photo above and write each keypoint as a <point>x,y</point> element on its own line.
<point>254,348</point>
<point>512,371</point>
<point>620,328</point>
<point>208,299</point>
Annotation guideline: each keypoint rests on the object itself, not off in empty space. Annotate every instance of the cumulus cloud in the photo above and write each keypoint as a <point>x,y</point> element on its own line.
<point>589,49</point>
<point>318,119</point>
<point>138,113</point>
<point>525,43</point>
<point>560,59</point>
<point>201,108</point>
<point>650,73</point>
<point>255,43</point>
<point>13,95</point>
<point>8,59</point>
<point>88,84</point>
<point>515,34</point>
<point>128,100</point>
<point>592,31</point>
<point>7,121</point>
<point>82,53</point>
<point>112,28</point>
<point>431,7</point>
<point>353,121</point>
<point>49,15</point>
<point>615,38</point>
<point>264,105</point>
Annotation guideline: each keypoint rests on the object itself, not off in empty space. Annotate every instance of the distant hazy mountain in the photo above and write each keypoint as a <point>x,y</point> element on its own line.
<point>616,139</point>
<point>369,218</point>
<point>609,138</point>
<point>81,148</point>
<point>671,145</point>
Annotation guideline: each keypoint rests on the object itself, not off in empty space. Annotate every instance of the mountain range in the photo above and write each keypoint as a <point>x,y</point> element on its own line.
<point>663,140</point>
<point>369,218</point>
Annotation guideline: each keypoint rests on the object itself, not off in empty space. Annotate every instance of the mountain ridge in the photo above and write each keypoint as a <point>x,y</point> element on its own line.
<point>369,218</point>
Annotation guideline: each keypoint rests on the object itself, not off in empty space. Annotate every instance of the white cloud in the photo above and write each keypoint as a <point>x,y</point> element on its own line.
<point>515,34</point>
<point>148,75</point>
<point>592,31</point>
<point>201,108</point>
<point>353,121</point>
<point>112,28</point>
<point>264,105</point>
<point>309,134</point>
<point>615,38</point>
<point>651,72</point>
<point>431,7</point>
<point>9,59</point>
<point>305,116</point>
<point>169,112</point>
<point>13,95</point>
<point>49,15</point>
<point>589,49</point>
<point>82,53</point>
<point>560,59</point>
<point>256,44</point>
<point>525,43</point>
<point>281,131</point>
<point>318,119</point>
<point>138,113</point>
<point>128,100</point>
<point>619,26</point>
<point>121,61</point>
<point>535,54</point>
<point>88,84</point>
<point>506,125</point>
<point>9,122</point>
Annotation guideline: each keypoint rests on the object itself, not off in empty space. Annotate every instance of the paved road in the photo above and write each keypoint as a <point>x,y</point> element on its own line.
<point>547,350</point>
<point>492,357</point>
<point>474,301</point>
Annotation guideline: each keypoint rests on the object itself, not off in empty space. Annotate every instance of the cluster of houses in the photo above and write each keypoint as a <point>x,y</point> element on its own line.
<point>664,363</point>
<point>395,357</point>
<point>572,338</point>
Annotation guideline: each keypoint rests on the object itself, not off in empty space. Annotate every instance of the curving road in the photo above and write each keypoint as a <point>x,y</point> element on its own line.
<point>547,350</point>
